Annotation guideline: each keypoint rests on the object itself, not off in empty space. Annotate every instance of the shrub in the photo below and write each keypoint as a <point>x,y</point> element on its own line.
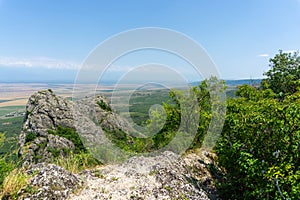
<point>30,136</point>
<point>104,105</point>
<point>70,134</point>
<point>73,161</point>
<point>259,148</point>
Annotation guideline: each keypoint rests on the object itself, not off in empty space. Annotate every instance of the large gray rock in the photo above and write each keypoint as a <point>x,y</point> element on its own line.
<point>45,111</point>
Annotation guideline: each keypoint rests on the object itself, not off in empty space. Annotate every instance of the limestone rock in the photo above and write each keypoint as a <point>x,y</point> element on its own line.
<point>46,111</point>
<point>165,176</point>
<point>50,182</point>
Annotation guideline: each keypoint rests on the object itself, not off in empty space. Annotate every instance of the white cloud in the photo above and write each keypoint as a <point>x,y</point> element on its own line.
<point>37,62</point>
<point>263,55</point>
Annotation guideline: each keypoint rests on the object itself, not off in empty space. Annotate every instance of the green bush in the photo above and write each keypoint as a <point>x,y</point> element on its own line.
<point>70,134</point>
<point>259,147</point>
<point>76,160</point>
<point>30,136</point>
<point>104,105</point>
<point>180,115</point>
<point>260,143</point>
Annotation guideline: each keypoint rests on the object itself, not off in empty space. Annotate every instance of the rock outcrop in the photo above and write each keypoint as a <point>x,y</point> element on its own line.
<point>45,112</point>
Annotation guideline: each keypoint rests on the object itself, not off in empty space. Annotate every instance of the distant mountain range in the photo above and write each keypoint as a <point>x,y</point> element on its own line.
<point>237,82</point>
<point>113,82</point>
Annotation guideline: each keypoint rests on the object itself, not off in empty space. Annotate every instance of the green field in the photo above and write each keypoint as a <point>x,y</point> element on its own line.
<point>9,109</point>
<point>11,127</point>
<point>140,103</point>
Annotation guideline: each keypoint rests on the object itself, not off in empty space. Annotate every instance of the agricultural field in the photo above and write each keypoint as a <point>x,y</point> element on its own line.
<point>10,128</point>
<point>10,109</point>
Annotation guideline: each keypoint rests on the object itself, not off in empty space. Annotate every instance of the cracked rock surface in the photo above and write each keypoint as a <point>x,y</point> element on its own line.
<point>166,176</point>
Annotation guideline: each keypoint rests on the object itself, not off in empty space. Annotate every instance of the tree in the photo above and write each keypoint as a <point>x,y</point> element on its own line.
<point>191,112</point>
<point>284,76</point>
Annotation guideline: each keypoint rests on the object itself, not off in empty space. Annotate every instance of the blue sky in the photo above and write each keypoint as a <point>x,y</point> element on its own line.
<point>48,40</point>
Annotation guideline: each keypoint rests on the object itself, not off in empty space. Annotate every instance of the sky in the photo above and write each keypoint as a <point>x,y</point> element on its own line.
<point>49,40</point>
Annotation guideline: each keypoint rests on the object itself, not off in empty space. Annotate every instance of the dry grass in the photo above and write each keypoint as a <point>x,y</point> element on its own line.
<point>14,182</point>
<point>75,163</point>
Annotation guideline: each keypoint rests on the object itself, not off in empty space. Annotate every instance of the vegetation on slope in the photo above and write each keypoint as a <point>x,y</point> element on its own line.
<point>73,161</point>
<point>178,118</point>
<point>10,128</point>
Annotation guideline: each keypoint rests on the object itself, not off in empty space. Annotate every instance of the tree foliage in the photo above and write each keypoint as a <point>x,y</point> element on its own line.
<point>190,112</point>
<point>284,76</point>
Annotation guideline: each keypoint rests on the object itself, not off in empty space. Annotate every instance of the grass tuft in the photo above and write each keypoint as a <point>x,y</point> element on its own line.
<point>13,183</point>
<point>75,163</point>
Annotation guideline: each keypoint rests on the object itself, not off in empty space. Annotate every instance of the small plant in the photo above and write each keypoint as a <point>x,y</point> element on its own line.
<point>28,113</point>
<point>42,145</point>
<point>55,152</point>
<point>114,178</point>
<point>168,188</point>
<point>98,174</point>
<point>153,172</point>
<point>5,169</point>
<point>183,197</point>
<point>30,189</point>
<point>103,190</point>
<point>104,105</point>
